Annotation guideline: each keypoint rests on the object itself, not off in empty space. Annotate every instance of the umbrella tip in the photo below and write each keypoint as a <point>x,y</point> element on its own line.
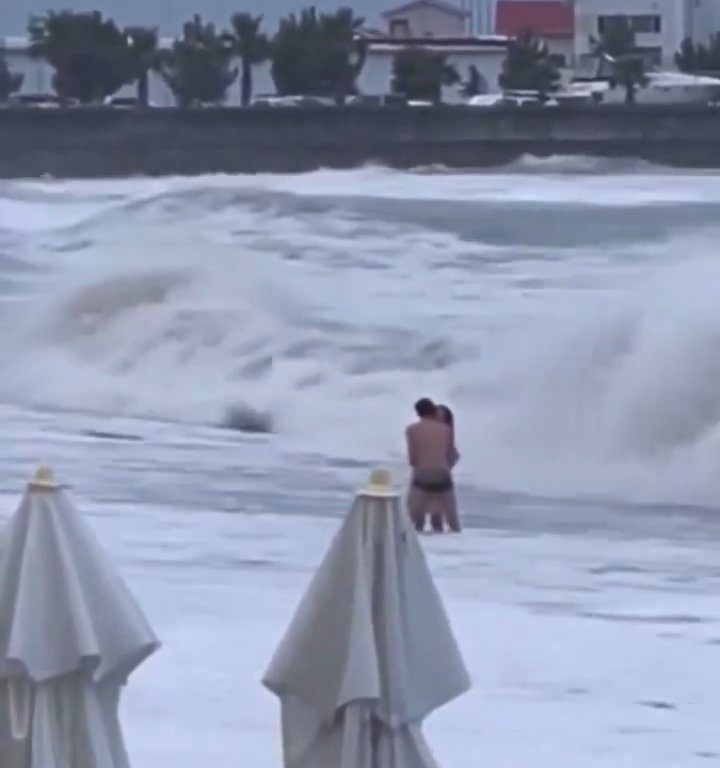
<point>380,478</point>
<point>379,484</point>
<point>43,479</point>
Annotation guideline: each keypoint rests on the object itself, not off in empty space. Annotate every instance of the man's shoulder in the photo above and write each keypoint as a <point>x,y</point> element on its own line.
<point>428,426</point>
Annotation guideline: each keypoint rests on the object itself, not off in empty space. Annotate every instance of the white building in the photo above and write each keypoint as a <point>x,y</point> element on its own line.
<point>426,18</point>
<point>440,26</point>
<point>37,76</point>
<point>485,53</point>
<point>660,25</point>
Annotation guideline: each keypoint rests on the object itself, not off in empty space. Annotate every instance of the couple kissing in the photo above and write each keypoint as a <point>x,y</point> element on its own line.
<point>432,455</point>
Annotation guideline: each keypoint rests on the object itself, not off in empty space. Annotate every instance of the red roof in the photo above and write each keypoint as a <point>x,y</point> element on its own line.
<point>547,18</point>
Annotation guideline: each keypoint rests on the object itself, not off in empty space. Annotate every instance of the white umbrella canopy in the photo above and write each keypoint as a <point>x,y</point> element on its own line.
<point>14,752</point>
<point>369,653</point>
<point>70,635</point>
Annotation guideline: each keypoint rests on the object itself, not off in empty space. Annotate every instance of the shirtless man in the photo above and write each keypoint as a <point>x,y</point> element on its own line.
<point>430,449</point>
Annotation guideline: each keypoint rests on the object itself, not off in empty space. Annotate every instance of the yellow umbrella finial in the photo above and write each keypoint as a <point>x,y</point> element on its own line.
<point>380,483</point>
<point>43,479</point>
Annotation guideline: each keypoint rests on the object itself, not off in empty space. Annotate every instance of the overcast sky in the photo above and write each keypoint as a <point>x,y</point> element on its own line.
<point>169,15</point>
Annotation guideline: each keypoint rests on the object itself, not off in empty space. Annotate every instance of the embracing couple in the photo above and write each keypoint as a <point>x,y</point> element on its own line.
<point>432,455</point>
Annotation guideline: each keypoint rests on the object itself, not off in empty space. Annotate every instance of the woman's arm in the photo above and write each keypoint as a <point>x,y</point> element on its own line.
<point>453,455</point>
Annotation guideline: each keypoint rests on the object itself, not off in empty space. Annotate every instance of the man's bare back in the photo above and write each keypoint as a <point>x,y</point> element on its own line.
<point>429,445</point>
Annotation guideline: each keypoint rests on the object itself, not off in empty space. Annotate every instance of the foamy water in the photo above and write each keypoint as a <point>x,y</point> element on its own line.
<point>213,364</point>
<point>566,310</point>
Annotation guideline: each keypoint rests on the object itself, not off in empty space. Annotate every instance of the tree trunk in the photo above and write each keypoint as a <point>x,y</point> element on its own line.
<point>143,89</point>
<point>246,84</point>
<point>340,92</point>
<point>630,93</point>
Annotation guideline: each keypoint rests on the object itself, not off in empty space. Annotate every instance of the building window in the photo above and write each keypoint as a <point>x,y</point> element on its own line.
<point>640,23</point>
<point>399,28</point>
<point>646,24</point>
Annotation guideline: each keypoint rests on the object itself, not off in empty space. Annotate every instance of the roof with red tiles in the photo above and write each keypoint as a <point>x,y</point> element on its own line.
<point>548,18</point>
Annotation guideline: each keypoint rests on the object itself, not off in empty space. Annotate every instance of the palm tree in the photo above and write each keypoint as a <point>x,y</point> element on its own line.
<point>89,53</point>
<point>198,68</point>
<point>346,50</point>
<point>318,53</point>
<point>699,57</point>
<point>630,75</point>
<point>419,74</point>
<point>143,43</point>
<point>617,46</point>
<point>251,46</point>
<point>528,66</point>
<point>690,57</point>
<point>618,37</point>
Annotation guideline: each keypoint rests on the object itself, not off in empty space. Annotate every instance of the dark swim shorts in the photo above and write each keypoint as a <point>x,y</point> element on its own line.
<point>432,480</point>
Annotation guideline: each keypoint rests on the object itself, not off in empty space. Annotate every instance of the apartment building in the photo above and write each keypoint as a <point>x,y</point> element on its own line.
<point>660,26</point>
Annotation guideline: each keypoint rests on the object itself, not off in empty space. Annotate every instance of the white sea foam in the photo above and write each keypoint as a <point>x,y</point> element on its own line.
<point>578,343</point>
<point>576,179</point>
<point>588,366</point>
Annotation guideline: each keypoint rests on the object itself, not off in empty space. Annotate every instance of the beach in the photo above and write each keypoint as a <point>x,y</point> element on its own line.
<point>215,364</point>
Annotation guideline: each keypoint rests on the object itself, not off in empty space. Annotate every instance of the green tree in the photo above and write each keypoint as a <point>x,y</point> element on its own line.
<point>697,57</point>
<point>318,54</point>
<point>690,57</point>
<point>346,51</point>
<point>251,47</point>
<point>618,38</point>
<point>630,74</point>
<point>710,58</point>
<point>617,45</point>
<point>419,74</point>
<point>528,66</point>
<point>90,55</point>
<point>143,42</point>
<point>10,82</point>
<point>198,69</point>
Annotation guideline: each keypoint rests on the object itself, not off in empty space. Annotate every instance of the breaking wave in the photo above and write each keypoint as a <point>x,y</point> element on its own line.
<point>557,164</point>
<point>584,165</point>
<point>581,350</point>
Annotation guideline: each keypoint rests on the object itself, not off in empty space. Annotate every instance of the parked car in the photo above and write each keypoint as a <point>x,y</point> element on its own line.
<point>40,101</point>
<point>260,102</point>
<point>377,100</point>
<point>125,102</point>
<point>485,100</point>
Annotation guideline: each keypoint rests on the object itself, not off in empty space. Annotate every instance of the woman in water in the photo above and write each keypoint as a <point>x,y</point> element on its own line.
<point>445,415</point>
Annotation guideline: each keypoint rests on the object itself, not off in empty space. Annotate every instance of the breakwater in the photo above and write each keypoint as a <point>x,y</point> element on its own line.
<point>95,142</point>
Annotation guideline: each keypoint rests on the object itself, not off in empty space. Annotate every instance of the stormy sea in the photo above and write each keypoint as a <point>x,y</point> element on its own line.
<point>215,364</point>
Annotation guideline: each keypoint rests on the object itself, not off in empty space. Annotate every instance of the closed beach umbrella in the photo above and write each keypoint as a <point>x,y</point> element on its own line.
<point>70,635</point>
<point>369,653</point>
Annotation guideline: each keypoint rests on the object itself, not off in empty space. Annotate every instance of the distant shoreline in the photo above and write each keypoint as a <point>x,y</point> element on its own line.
<point>106,142</point>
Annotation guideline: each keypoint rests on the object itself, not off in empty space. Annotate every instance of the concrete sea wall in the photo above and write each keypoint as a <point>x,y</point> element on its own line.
<point>94,142</point>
